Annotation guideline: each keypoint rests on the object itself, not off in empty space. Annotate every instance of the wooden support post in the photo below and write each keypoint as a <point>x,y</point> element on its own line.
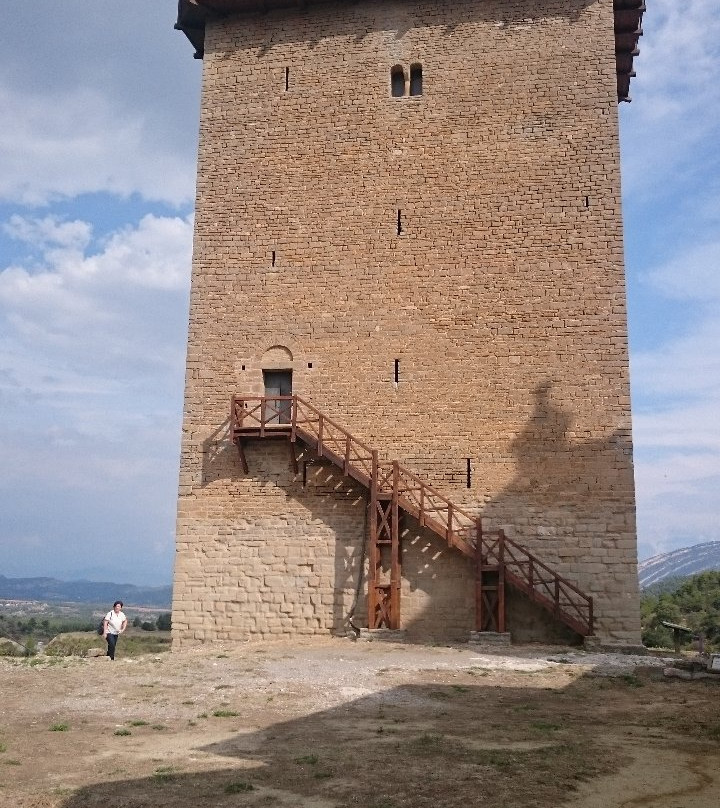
<point>320,436</point>
<point>478,576</point>
<point>373,550</point>
<point>501,599</point>
<point>293,420</point>
<point>450,524</point>
<point>263,402</point>
<point>557,595</point>
<point>243,459</point>
<point>501,585</point>
<point>395,572</point>
<point>346,461</point>
<point>293,456</point>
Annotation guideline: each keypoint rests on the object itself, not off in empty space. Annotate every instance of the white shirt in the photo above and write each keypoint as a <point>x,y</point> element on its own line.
<point>115,621</point>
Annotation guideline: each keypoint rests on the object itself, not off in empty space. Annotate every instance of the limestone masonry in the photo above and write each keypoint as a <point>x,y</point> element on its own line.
<point>414,208</point>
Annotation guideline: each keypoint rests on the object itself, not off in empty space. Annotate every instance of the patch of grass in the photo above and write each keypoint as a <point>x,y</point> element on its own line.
<point>143,644</point>
<point>311,760</point>
<point>159,727</point>
<point>221,656</point>
<point>523,708</point>
<point>164,774</point>
<point>439,694</point>
<point>460,688</point>
<point>238,787</point>
<point>12,762</point>
<point>222,687</point>
<point>60,726</point>
<point>33,663</point>
<point>225,714</point>
<point>322,774</point>
<point>122,731</point>
<point>479,671</point>
<point>494,757</point>
<point>75,643</point>
<point>188,703</point>
<point>138,723</point>
<point>545,726</point>
<point>427,741</point>
<point>632,681</point>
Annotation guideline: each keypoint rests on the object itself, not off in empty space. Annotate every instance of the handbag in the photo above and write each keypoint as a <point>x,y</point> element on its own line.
<point>101,627</point>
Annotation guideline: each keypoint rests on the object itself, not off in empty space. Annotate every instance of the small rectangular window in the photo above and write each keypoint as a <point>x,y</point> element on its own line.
<point>397,81</point>
<point>416,81</point>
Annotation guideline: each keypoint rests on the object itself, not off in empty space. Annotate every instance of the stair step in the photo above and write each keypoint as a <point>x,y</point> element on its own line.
<point>251,418</point>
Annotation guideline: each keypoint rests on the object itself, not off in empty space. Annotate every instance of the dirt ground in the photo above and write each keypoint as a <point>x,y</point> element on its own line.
<point>330,723</point>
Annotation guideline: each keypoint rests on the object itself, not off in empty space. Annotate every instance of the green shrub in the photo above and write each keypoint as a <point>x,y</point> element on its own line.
<point>74,644</point>
<point>237,788</point>
<point>10,648</point>
<point>164,621</point>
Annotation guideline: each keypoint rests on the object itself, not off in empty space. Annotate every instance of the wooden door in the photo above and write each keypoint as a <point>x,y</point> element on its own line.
<point>278,383</point>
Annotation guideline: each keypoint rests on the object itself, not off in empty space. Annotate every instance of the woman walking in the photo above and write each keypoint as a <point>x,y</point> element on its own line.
<point>114,623</point>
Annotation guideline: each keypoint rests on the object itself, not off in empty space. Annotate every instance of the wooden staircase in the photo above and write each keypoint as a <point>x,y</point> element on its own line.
<point>394,490</point>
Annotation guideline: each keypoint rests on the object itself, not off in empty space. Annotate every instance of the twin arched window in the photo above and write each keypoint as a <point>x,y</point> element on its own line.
<point>404,83</point>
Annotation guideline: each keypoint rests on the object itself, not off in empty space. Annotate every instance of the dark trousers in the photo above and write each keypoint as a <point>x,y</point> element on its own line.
<point>112,642</point>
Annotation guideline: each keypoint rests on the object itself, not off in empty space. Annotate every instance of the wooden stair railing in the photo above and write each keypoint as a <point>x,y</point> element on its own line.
<point>393,488</point>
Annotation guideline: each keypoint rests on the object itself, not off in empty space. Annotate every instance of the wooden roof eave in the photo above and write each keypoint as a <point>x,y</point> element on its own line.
<point>628,30</point>
<point>194,14</point>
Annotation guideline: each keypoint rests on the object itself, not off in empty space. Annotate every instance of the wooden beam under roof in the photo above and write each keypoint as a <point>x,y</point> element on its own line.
<point>193,15</point>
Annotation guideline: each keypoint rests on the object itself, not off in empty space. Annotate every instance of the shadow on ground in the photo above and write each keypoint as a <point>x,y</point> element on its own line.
<point>465,741</point>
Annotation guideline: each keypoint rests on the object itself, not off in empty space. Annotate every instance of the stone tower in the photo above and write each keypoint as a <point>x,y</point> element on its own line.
<point>408,215</point>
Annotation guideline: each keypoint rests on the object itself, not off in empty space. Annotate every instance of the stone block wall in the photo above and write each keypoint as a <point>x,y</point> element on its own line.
<point>443,274</point>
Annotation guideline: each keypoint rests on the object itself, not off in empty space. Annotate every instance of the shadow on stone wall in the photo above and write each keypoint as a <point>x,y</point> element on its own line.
<point>401,18</point>
<point>552,468</point>
<point>319,488</point>
<point>569,501</point>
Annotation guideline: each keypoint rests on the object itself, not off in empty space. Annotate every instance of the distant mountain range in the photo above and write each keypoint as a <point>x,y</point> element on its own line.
<point>54,591</point>
<point>676,564</point>
<point>679,563</point>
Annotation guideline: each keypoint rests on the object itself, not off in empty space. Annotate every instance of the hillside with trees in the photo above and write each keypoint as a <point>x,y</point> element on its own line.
<point>695,603</point>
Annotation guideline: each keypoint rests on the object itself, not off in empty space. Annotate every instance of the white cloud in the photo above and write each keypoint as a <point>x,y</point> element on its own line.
<point>677,429</point>
<point>62,144</point>
<point>694,274</point>
<point>94,333</point>
<point>91,371</point>
<point>676,96</point>
<point>686,367</point>
<point>90,306</point>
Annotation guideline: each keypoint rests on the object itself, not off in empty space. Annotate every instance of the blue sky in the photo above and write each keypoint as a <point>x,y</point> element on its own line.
<point>97,152</point>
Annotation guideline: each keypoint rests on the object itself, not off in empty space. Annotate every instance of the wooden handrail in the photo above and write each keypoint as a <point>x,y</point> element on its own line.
<point>460,528</point>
